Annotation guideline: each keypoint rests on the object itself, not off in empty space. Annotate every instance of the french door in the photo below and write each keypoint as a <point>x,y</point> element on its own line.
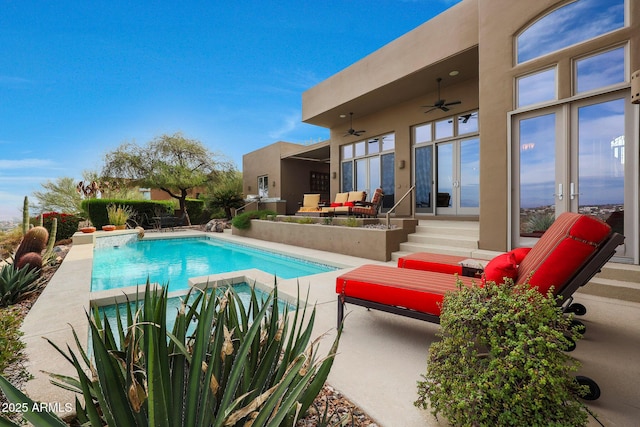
<point>458,177</point>
<point>452,186</point>
<point>576,157</point>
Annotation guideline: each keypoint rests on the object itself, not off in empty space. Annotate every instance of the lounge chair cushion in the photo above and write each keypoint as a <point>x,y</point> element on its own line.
<point>356,196</point>
<point>341,198</point>
<point>501,267</point>
<point>432,262</point>
<point>311,201</point>
<point>401,287</point>
<point>561,251</point>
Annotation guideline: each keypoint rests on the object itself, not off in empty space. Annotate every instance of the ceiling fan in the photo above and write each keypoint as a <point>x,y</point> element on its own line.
<point>352,131</point>
<point>440,104</point>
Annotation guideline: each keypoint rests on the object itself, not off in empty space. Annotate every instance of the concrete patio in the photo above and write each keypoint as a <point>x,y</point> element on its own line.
<point>381,356</point>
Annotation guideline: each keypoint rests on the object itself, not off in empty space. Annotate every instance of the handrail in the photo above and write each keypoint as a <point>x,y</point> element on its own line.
<point>241,208</point>
<point>398,202</point>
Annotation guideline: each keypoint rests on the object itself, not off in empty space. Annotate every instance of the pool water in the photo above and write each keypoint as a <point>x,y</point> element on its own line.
<point>243,290</point>
<point>174,261</point>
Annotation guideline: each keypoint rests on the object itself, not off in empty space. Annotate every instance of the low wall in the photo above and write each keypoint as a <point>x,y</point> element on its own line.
<point>371,243</point>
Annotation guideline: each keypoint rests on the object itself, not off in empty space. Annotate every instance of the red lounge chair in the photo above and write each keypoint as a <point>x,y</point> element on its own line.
<point>566,257</point>
<point>428,261</point>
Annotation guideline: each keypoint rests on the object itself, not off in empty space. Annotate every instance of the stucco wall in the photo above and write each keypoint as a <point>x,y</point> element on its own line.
<point>367,243</point>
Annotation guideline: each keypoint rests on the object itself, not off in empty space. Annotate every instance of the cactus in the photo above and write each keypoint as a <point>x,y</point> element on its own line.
<point>52,240</point>
<point>32,260</point>
<point>34,241</point>
<point>25,216</point>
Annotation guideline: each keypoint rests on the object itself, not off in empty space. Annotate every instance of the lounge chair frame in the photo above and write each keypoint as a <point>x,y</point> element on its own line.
<point>589,268</point>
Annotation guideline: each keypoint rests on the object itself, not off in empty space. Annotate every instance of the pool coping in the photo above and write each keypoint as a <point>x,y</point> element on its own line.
<point>62,307</point>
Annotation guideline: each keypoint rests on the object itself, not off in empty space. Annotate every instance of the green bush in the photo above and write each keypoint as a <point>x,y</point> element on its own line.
<point>10,344</point>
<point>223,363</point>
<point>501,360</point>
<point>17,283</point>
<point>243,221</point>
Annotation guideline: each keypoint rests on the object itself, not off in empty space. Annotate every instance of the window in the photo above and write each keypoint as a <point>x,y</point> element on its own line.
<point>468,123</point>
<point>422,133</point>
<point>367,165</point>
<point>347,151</point>
<point>444,129</point>
<point>263,186</point>
<point>571,24</point>
<point>536,88</point>
<point>597,71</point>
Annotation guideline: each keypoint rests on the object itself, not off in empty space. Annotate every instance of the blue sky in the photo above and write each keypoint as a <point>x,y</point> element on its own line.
<point>77,79</point>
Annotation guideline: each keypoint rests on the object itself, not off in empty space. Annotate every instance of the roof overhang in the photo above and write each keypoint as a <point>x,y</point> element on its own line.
<point>319,152</point>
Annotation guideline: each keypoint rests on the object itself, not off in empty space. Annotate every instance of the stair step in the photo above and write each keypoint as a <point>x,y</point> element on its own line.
<point>447,250</point>
<point>441,230</point>
<point>622,272</point>
<point>444,240</point>
<point>609,288</point>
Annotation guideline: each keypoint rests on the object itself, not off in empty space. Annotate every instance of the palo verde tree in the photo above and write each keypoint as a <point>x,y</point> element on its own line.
<point>171,163</point>
<point>59,196</point>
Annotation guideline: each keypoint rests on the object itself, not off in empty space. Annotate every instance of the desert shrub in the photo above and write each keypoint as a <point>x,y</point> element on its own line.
<point>17,283</point>
<point>119,214</point>
<point>67,223</point>
<point>9,241</point>
<point>243,221</point>
<point>225,362</point>
<point>305,220</point>
<point>501,360</point>
<point>352,221</point>
<point>539,222</point>
<point>10,344</point>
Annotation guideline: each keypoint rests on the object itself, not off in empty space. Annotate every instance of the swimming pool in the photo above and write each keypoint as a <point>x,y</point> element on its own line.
<point>243,290</point>
<point>174,261</point>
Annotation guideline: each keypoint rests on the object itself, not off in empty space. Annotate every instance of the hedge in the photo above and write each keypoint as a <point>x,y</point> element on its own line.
<point>96,210</point>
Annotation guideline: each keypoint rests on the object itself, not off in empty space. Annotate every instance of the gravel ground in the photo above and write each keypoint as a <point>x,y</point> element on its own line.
<point>330,408</point>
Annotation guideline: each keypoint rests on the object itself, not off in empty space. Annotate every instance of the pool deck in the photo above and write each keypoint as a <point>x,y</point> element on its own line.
<point>381,356</point>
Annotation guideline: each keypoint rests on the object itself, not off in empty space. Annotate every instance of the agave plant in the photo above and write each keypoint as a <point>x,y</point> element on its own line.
<point>17,283</point>
<point>223,364</point>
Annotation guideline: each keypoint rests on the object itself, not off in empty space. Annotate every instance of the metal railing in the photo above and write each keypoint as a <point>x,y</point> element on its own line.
<point>409,192</point>
<point>251,201</point>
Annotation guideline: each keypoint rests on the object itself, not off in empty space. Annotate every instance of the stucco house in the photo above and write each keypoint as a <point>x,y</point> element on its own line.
<point>499,111</point>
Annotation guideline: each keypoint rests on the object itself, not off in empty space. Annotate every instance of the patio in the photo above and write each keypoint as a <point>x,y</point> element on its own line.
<point>381,356</point>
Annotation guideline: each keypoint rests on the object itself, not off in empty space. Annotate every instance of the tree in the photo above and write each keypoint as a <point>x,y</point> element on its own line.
<point>58,196</point>
<point>171,163</point>
<point>227,192</point>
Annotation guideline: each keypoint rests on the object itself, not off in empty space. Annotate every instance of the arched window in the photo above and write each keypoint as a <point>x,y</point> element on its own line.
<point>568,25</point>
